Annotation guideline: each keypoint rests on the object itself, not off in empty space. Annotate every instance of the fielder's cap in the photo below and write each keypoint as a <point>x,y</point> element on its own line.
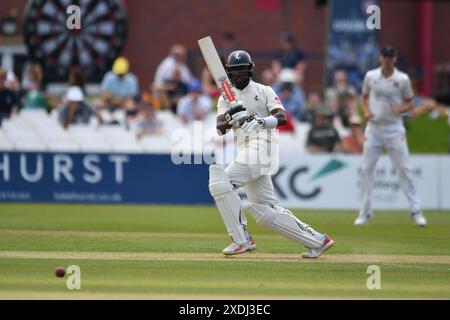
<point>121,66</point>
<point>75,94</point>
<point>287,75</point>
<point>388,51</point>
<point>195,86</point>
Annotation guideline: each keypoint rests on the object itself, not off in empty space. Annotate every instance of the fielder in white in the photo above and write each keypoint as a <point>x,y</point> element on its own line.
<point>387,93</point>
<point>254,119</point>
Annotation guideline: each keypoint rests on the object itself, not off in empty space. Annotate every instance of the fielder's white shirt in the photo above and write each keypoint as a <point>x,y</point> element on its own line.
<point>384,92</point>
<point>258,100</point>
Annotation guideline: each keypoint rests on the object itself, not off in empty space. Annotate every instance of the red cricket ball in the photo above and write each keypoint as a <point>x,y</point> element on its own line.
<point>60,272</point>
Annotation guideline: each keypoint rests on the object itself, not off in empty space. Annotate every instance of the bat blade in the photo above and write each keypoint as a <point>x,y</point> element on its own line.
<point>216,68</point>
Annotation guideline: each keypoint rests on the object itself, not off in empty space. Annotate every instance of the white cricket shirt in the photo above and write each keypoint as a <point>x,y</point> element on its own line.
<point>258,100</point>
<point>384,92</point>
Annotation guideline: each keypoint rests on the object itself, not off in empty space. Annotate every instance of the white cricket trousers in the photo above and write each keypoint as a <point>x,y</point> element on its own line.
<point>259,188</point>
<point>393,139</point>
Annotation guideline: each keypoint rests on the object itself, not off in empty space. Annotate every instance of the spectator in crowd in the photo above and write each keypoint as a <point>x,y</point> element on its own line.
<point>172,91</point>
<point>75,110</point>
<point>290,93</point>
<point>33,94</point>
<point>342,98</point>
<point>289,56</point>
<point>323,137</point>
<point>195,105</point>
<point>314,103</point>
<point>353,141</point>
<point>146,122</point>
<point>76,78</point>
<point>36,99</point>
<point>8,98</point>
<point>33,78</point>
<point>12,83</point>
<point>172,68</point>
<point>268,77</point>
<point>119,87</point>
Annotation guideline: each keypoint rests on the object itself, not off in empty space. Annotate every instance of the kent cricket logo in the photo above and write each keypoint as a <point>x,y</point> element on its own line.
<point>331,167</point>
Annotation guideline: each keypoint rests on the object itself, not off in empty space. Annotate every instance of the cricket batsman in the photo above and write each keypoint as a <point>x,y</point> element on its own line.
<point>254,118</point>
<point>387,93</point>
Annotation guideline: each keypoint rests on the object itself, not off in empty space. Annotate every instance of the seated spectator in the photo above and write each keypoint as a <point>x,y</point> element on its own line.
<point>33,78</point>
<point>323,137</point>
<point>314,103</point>
<point>146,122</point>
<point>172,91</point>
<point>12,83</point>
<point>289,56</point>
<point>33,95</point>
<point>36,99</point>
<point>268,77</point>
<point>342,98</point>
<point>119,87</point>
<point>32,81</point>
<point>76,78</point>
<point>195,105</point>
<point>353,141</point>
<point>290,93</point>
<point>76,111</point>
<point>167,73</point>
<point>8,98</point>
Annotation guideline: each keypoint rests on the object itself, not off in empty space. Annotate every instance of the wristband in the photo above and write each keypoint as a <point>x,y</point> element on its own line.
<point>270,122</point>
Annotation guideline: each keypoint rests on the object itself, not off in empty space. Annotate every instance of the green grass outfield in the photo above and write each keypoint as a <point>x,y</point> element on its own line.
<point>436,131</point>
<point>173,252</point>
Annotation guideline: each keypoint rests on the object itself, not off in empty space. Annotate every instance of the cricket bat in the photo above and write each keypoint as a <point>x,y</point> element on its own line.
<point>216,69</point>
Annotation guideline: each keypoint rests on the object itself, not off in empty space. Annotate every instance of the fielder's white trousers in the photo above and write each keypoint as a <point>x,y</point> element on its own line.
<point>393,139</point>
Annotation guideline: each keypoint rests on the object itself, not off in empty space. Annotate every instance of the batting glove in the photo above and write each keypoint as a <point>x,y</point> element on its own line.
<point>236,114</point>
<point>253,123</point>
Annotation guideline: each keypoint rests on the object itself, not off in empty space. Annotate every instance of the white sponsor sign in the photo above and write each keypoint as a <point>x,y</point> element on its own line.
<point>333,182</point>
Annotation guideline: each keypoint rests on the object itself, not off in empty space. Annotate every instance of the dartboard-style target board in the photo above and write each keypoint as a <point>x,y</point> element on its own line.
<point>91,48</point>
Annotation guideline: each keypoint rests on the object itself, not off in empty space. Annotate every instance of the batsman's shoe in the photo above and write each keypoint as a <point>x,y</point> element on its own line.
<point>419,219</point>
<point>314,253</point>
<point>235,248</point>
<point>251,245</point>
<point>362,219</point>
